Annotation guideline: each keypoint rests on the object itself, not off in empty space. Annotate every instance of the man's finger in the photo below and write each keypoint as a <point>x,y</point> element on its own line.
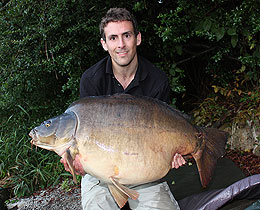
<point>178,161</point>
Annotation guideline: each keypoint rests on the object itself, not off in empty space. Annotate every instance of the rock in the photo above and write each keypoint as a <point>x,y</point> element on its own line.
<point>245,137</point>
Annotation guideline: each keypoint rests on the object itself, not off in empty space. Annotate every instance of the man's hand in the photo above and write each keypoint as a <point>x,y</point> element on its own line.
<point>178,161</point>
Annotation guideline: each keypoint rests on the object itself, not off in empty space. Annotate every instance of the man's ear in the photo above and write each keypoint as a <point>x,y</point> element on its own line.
<point>138,39</point>
<point>104,45</point>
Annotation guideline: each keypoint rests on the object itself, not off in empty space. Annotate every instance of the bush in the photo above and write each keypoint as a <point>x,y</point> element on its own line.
<point>208,42</point>
<point>45,47</point>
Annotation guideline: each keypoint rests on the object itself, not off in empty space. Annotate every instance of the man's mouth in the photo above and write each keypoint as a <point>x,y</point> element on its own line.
<point>122,53</point>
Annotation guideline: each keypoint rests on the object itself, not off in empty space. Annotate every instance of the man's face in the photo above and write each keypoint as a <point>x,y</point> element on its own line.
<point>121,42</point>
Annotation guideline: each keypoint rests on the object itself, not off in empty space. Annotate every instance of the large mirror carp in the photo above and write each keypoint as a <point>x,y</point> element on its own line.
<point>127,140</point>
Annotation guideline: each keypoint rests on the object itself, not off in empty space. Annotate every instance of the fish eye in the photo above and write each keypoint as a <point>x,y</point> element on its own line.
<point>47,124</point>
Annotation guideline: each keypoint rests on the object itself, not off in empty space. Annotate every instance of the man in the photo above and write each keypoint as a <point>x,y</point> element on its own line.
<point>123,71</point>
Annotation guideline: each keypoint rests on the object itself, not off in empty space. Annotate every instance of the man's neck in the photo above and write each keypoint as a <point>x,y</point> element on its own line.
<point>125,74</point>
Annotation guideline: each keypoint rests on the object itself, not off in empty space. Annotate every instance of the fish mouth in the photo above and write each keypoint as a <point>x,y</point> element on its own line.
<point>37,143</point>
<point>58,148</point>
<point>41,145</point>
<point>32,134</point>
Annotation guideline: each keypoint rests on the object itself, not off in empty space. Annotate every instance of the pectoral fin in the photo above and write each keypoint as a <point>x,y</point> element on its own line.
<point>67,157</point>
<point>121,193</point>
<point>119,196</point>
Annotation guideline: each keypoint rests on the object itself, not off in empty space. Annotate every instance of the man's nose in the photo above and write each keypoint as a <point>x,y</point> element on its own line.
<point>121,42</point>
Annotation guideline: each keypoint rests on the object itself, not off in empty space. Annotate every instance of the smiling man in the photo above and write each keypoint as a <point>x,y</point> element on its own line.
<point>124,71</point>
<point>121,45</point>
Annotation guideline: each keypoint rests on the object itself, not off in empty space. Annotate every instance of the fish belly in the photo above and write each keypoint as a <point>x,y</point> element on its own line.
<point>131,155</point>
<point>131,139</point>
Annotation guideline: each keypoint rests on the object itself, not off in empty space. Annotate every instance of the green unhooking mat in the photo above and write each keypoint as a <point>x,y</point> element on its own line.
<point>229,189</point>
<point>185,180</point>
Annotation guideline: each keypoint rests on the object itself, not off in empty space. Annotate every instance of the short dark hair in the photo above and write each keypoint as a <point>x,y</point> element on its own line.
<point>115,15</point>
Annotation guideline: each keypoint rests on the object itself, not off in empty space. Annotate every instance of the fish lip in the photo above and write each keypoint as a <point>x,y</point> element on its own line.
<point>33,142</point>
<point>56,149</point>
<point>32,134</point>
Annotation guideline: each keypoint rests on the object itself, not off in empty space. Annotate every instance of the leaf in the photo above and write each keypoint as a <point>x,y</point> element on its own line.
<point>179,70</point>
<point>220,32</point>
<point>234,40</point>
<point>178,49</point>
<point>231,31</point>
<point>229,93</point>
<point>245,32</point>
<point>243,68</point>
<point>216,89</point>
<point>207,24</point>
<point>172,71</point>
<point>256,53</point>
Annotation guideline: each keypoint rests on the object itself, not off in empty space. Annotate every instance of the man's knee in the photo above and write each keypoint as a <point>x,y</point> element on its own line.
<point>157,196</point>
<point>95,195</point>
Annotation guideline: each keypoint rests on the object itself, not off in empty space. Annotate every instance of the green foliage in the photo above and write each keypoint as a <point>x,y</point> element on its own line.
<point>68,184</point>
<point>222,35</point>
<point>22,167</point>
<point>235,103</point>
<point>44,48</point>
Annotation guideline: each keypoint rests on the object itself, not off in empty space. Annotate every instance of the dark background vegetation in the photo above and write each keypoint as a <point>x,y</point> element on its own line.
<point>209,49</point>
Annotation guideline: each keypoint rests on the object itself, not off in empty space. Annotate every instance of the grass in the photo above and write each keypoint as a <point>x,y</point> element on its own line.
<point>22,168</point>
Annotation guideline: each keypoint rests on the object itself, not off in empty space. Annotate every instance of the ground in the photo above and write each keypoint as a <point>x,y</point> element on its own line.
<point>246,161</point>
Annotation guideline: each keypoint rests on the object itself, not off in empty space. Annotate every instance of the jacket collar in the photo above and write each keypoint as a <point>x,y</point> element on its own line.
<point>141,72</point>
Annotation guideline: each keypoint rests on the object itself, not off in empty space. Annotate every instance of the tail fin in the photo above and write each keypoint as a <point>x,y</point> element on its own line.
<point>212,148</point>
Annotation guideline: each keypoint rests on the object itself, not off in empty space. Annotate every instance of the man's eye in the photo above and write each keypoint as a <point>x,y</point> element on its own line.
<point>127,35</point>
<point>112,38</point>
